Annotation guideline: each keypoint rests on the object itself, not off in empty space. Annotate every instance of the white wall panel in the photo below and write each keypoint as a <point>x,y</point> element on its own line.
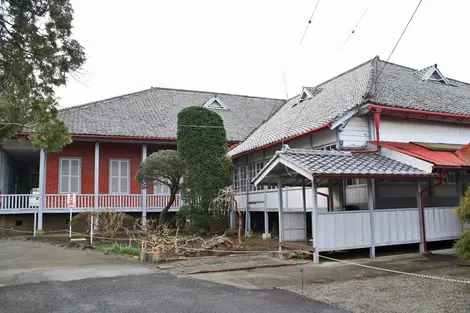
<point>356,194</point>
<point>356,132</point>
<point>407,130</point>
<point>441,224</point>
<point>294,226</point>
<point>396,226</point>
<point>343,230</point>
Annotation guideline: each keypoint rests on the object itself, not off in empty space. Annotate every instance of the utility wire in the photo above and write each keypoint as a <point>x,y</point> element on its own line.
<point>309,22</point>
<point>353,30</point>
<point>399,39</point>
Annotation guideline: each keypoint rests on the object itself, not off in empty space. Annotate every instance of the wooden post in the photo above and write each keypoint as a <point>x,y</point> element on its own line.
<point>304,205</point>
<point>370,202</point>
<point>144,190</point>
<point>316,258</point>
<point>281,224</point>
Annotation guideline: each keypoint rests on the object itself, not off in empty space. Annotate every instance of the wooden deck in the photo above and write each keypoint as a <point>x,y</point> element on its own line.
<point>297,245</point>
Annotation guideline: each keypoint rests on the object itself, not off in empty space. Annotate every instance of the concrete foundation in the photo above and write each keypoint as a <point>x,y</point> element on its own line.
<point>266,236</point>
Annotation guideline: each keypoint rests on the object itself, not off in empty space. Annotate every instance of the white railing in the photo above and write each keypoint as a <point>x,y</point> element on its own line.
<point>57,202</point>
<point>157,201</point>
<point>18,202</point>
<point>120,201</point>
<point>60,201</point>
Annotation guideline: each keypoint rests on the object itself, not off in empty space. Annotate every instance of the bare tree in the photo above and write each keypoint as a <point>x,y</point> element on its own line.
<point>226,202</point>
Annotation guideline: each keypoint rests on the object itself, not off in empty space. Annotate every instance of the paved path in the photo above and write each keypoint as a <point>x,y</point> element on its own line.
<point>42,278</point>
<point>151,293</point>
<point>32,262</point>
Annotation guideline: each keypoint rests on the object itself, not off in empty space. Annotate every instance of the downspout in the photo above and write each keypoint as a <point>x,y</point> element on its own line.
<point>423,224</point>
<point>327,199</point>
<point>376,113</point>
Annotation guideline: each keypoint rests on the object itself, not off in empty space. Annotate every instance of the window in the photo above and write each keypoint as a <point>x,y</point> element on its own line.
<point>254,169</point>
<point>161,189</point>
<point>119,176</point>
<point>239,178</point>
<point>450,178</point>
<point>69,175</point>
<point>356,181</point>
<point>215,103</point>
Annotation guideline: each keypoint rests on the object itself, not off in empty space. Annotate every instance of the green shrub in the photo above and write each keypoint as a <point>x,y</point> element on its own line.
<point>118,249</point>
<point>462,246</point>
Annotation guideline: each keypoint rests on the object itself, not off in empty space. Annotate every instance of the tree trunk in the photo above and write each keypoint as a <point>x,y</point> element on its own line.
<point>240,226</point>
<point>161,219</point>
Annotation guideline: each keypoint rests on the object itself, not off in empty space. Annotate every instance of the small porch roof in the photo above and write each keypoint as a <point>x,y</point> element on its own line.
<point>309,163</point>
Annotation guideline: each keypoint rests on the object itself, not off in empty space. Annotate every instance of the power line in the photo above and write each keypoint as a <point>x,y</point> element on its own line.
<point>404,30</point>
<point>353,30</point>
<point>309,21</point>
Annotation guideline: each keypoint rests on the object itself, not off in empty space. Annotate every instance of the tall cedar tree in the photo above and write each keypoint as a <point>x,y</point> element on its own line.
<point>37,52</point>
<point>165,168</point>
<point>202,145</point>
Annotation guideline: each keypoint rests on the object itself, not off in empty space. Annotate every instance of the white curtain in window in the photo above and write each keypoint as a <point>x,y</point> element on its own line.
<point>119,176</point>
<point>70,169</point>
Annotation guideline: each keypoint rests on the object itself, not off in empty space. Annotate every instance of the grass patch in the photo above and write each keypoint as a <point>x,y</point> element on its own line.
<point>118,249</point>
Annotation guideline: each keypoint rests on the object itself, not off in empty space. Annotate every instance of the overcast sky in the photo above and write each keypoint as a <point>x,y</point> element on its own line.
<point>244,46</point>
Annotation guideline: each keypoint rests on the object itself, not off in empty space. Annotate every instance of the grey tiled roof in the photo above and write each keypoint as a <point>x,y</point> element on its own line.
<point>336,96</point>
<point>153,113</point>
<point>397,86</point>
<point>320,163</point>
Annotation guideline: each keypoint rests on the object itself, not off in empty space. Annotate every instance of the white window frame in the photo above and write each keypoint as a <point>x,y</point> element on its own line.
<point>70,159</point>
<point>128,161</point>
<point>239,178</point>
<point>253,170</point>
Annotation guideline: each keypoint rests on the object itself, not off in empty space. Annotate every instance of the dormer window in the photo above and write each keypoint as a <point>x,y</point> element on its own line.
<point>305,95</point>
<point>432,73</point>
<point>308,93</point>
<point>215,104</point>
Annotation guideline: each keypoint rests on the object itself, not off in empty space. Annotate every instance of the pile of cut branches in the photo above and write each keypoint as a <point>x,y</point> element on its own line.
<point>157,236</point>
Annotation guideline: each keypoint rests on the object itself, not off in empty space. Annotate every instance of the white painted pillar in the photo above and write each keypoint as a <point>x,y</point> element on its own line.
<point>316,258</point>
<point>280,214</point>
<point>42,187</point>
<point>232,219</point>
<point>266,215</point>
<point>418,202</point>
<point>247,208</point>
<point>144,190</point>
<point>304,205</point>
<point>96,183</point>
<point>2,173</point>
<point>97,174</point>
<point>331,195</point>
<point>370,202</point>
